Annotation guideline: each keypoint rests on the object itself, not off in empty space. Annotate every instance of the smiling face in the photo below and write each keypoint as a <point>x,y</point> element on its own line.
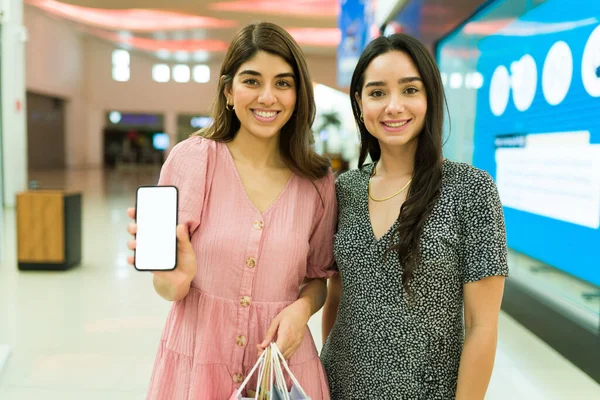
<point>263,94</point>
<point>393,100</point>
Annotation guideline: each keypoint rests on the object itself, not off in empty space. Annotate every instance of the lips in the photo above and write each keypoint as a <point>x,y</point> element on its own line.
<point>265,115</point>
<point>395,124</point>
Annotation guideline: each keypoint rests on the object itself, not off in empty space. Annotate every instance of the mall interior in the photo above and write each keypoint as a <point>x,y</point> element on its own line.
<point>96,92</point>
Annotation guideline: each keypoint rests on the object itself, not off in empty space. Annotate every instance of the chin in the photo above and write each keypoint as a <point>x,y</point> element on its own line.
<point>264,133</point>
<point>398,140</point>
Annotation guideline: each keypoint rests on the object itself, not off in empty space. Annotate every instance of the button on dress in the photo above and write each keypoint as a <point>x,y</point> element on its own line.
<point>250,267</point>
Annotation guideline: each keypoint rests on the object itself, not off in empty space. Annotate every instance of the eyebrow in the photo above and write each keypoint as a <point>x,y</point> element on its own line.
<point>256,73</point>
<point>400,81</point>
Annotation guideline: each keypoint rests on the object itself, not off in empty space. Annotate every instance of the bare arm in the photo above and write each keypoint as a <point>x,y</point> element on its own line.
<point>330,310</point>
<point>312,295</point>
<point>482,306</point>
<point>171,289</point>
<point>290,324</point>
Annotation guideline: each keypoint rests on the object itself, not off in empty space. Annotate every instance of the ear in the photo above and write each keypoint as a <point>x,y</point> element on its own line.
<point>226,88</point>
<point>358,101</point>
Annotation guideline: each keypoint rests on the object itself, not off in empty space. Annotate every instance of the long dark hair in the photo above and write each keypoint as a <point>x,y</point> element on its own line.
<point>427,175</point>
<point>296,137</point>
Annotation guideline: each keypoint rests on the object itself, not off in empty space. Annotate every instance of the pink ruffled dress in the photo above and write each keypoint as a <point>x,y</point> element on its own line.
<point>250,267</point>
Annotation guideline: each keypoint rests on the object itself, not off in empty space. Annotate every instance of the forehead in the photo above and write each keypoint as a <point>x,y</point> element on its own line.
<point>391,66</point>
<point>266,64</point>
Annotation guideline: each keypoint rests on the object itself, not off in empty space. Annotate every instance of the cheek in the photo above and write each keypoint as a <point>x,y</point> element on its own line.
<point>372,111</point>
<point>289,100</point>
<point>420,111</point>
<point>241,95</point>
<point>421,107</point>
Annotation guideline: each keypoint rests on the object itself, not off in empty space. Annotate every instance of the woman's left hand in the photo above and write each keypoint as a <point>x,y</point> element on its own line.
<point>290,327</point>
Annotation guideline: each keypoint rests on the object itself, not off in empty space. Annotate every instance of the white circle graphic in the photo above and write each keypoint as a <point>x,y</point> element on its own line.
<point>590,64</point>
<point>499,90</point>
<point>524,82</point>
<point>557,73</point>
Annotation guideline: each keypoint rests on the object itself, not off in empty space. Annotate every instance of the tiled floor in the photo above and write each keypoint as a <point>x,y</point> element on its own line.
<point>91,333</point>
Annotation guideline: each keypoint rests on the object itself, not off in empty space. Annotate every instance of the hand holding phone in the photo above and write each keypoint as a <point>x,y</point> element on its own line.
<point>170,283</point>
<point>156,219</point>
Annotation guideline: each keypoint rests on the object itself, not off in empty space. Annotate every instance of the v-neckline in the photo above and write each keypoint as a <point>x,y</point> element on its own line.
<point>243,189</point>
<point>368,212</point>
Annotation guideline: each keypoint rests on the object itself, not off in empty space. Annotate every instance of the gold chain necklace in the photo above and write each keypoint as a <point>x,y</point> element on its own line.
<point>387,198</point>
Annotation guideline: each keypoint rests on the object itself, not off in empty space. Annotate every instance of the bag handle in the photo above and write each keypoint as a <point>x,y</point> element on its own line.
<point>262,390</point>
<point>275,349</point>
<point>280,380</point>
<point>260,365</point>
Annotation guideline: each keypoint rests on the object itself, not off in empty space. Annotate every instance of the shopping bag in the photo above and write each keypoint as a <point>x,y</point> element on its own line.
<point>270,382</point>
<point>296,393</point>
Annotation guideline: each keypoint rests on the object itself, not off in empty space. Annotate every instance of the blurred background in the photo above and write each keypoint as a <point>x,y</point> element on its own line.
<point>94,94</point>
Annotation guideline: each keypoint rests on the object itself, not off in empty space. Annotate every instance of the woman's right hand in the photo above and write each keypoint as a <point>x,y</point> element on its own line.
<point>171,285</point>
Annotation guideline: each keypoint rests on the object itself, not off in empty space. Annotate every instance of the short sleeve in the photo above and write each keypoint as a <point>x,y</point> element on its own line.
<point>320,256</point>
<point>186,168</point>
<point>484,251</point>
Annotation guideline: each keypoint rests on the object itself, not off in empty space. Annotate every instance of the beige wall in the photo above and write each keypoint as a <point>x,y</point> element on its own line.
<point>55,66</point>
<point>63,63</point>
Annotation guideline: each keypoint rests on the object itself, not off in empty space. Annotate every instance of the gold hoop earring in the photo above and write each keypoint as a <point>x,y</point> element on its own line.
<point>229,105</point>
<point>361,118</point>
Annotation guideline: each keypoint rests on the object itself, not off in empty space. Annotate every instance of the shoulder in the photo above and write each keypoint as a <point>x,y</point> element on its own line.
<point>466,178</point>
<point>195,148</point>
<point>325,183</point>
<point>354,178</point>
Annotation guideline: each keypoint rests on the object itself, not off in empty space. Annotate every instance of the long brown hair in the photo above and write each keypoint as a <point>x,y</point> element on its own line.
<point>427,176</point>
<point>296,137</point>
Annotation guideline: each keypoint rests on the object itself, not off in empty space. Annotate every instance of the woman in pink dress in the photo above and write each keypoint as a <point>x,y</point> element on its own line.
<point>257,214</point>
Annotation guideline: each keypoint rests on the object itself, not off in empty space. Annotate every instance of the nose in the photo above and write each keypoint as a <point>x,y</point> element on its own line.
<point>267,97</point>
<point>396,105</point>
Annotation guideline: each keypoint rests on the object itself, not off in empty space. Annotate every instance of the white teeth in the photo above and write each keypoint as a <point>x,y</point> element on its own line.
<point>396,124</point>
<point>265,114</point>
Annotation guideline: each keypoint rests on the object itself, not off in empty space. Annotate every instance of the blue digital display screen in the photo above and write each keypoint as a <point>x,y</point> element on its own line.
<point>537,131</point>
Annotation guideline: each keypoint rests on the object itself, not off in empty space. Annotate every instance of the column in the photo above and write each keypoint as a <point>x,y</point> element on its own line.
<point>14,131</point>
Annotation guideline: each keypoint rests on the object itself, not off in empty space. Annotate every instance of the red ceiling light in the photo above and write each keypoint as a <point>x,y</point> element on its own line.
<point>149,44</point>
<point>132,20</point>
<point>321,37</point>
<point>313,8</point>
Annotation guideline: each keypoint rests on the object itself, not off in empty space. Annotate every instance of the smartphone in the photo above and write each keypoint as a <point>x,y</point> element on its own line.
<point>156,238</point>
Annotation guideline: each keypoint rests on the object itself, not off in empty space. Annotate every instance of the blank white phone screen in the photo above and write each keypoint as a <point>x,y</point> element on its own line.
<point>156,217</point>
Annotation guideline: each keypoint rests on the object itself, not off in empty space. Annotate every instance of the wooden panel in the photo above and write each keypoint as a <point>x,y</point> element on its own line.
<point>40,227</point>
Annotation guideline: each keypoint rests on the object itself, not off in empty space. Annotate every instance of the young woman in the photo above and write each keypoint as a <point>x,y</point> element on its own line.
<point>420,240</point>
<point>257,214</point>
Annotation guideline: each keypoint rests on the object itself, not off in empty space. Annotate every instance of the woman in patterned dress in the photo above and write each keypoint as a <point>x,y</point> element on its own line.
<point>420,245</point>
<point>257,215</point>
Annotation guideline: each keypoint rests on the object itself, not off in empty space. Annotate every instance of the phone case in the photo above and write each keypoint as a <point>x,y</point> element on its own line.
<point>176,222</point>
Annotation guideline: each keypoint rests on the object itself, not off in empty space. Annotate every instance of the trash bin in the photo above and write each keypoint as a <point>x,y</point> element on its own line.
<point>48,230</point>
